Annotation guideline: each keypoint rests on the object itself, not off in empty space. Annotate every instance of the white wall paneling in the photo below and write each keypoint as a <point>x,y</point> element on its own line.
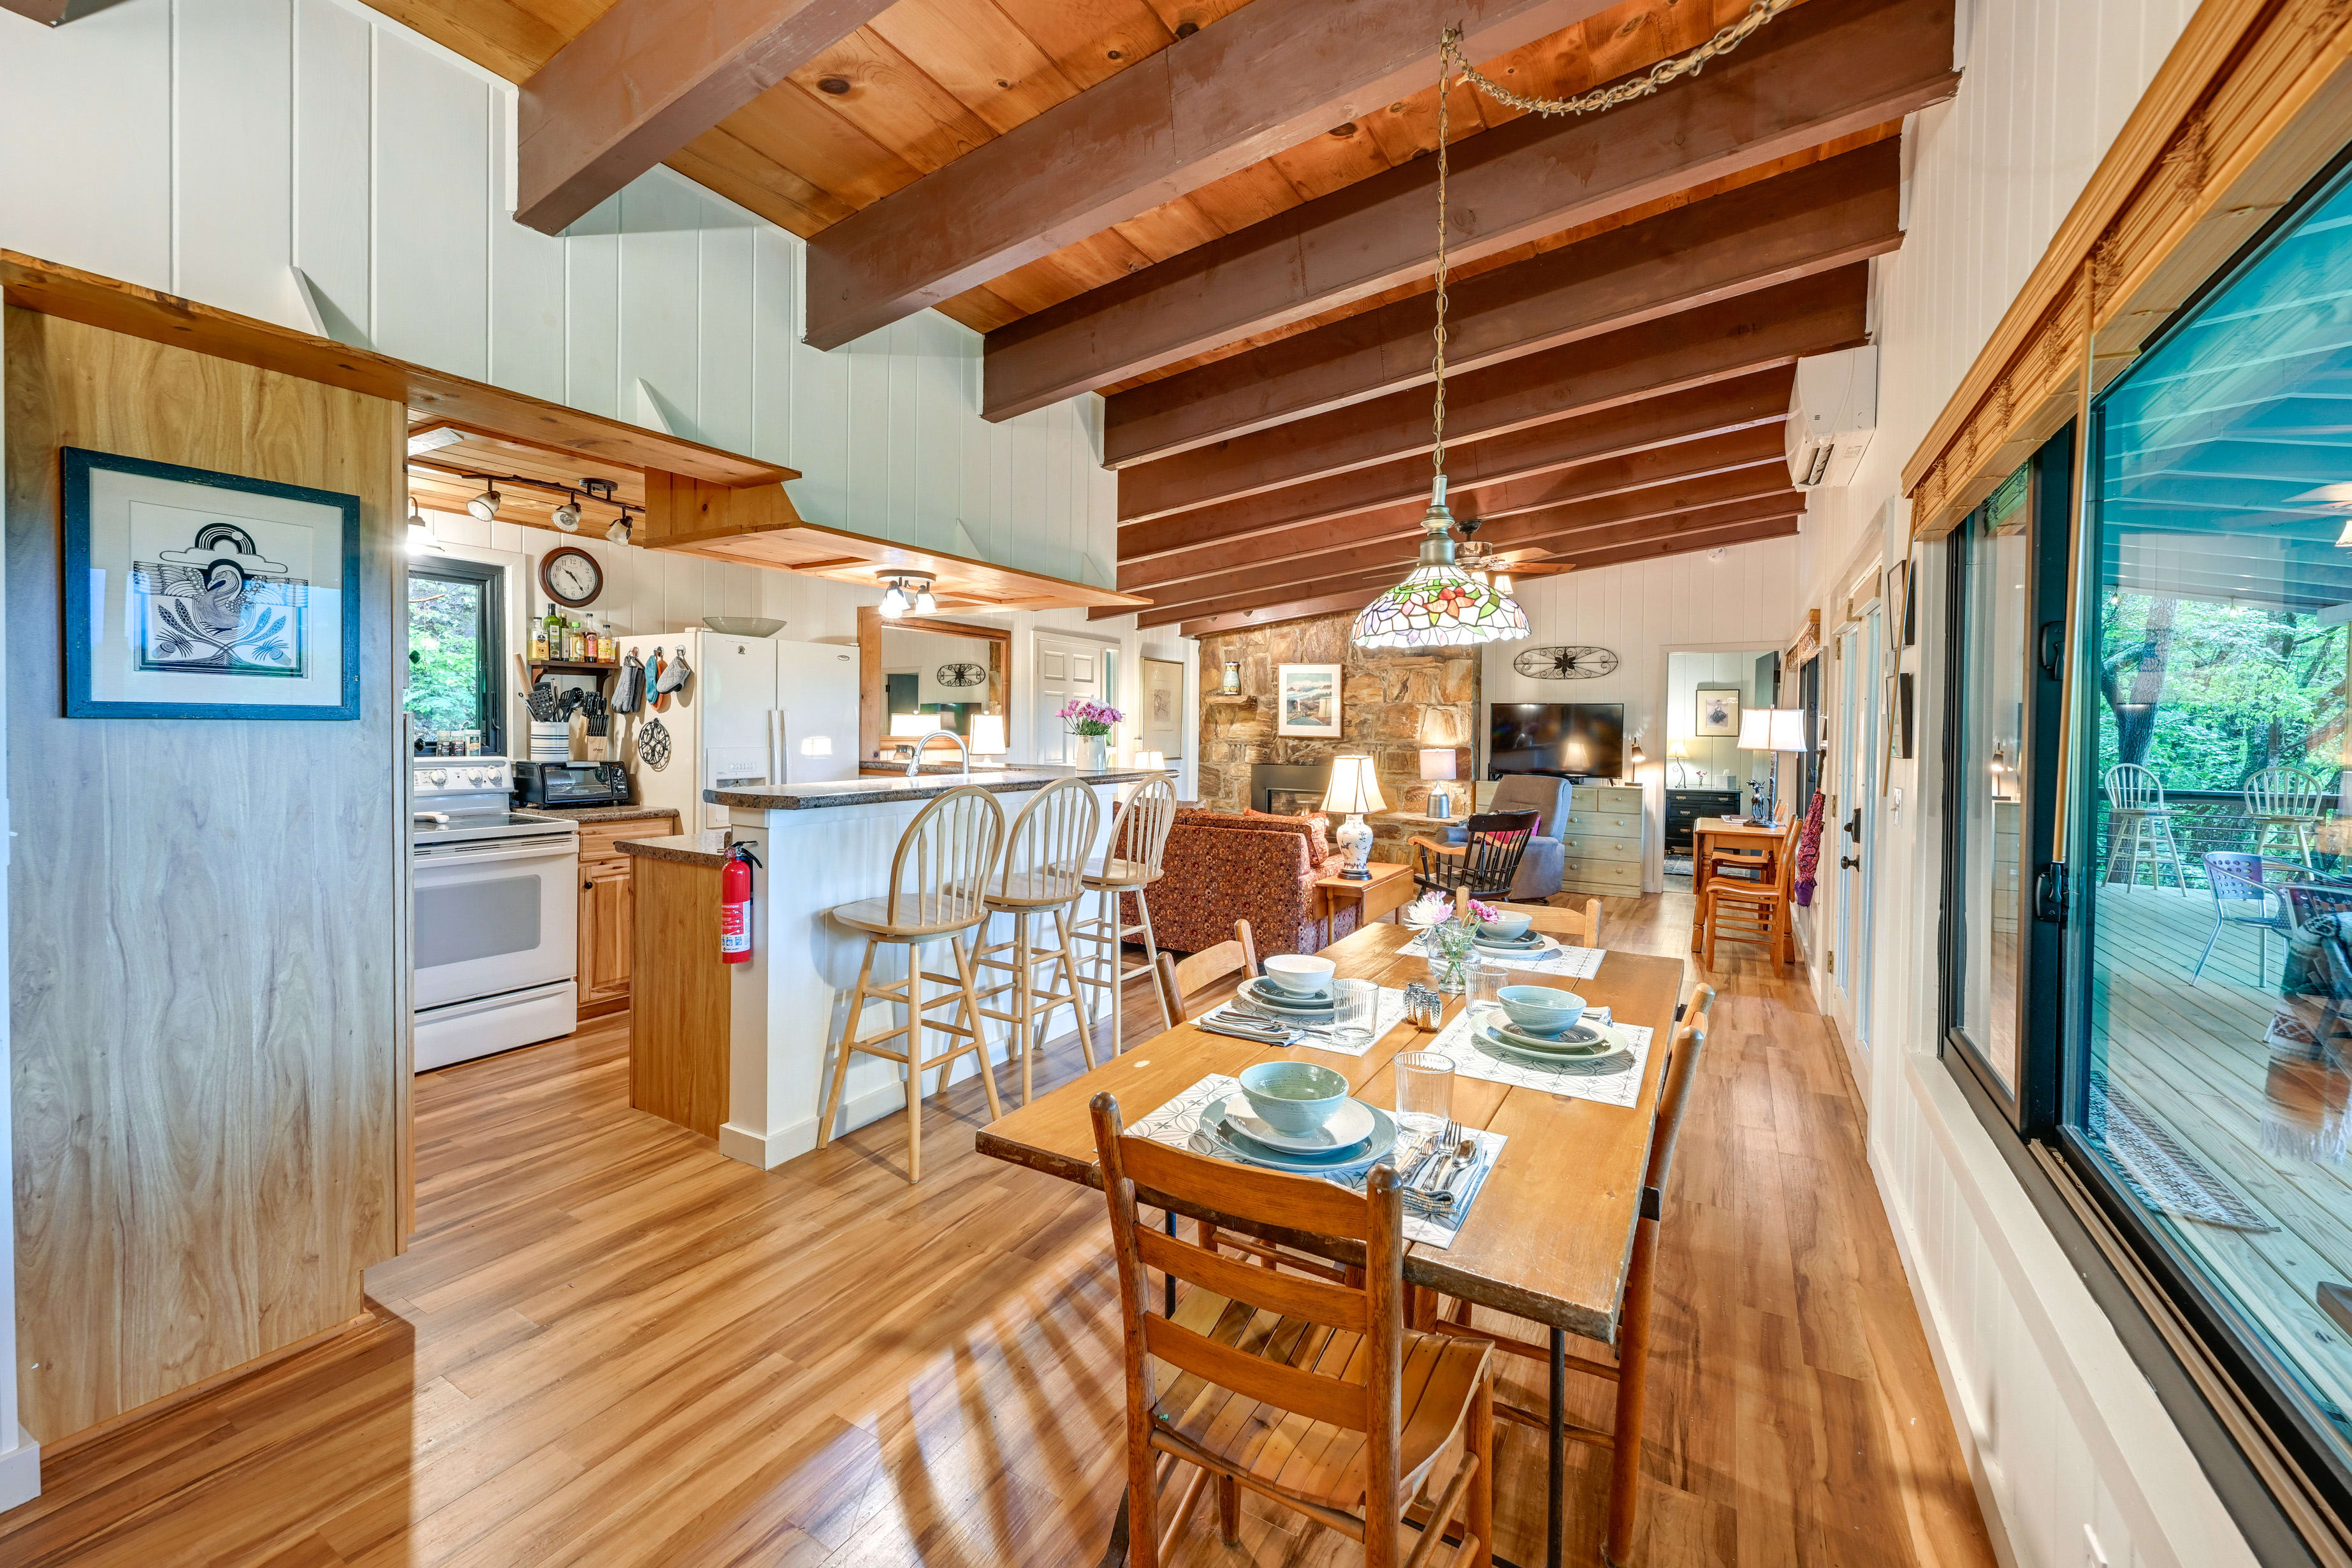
<point>2063,1433</point>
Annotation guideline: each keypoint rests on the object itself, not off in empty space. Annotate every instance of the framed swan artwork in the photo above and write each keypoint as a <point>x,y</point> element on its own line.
<point>194,594</point>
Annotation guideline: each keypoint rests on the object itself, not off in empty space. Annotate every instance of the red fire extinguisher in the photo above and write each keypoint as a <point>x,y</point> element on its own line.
<point>735,905</point>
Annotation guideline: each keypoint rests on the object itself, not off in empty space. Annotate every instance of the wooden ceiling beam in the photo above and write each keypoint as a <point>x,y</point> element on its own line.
<point>646,78</point>
<point>1256,81</point>
<point>1812,219</point>
<point>1719,408</point>
<point>1287,553</point>
<point>1730,337</point>
<point>1265,604</point>
<point>1321,573</point>
<point>1826,68</point>
<point>1586,482</point>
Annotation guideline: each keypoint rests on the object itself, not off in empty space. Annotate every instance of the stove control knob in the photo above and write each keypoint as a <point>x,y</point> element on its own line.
<point>438,776</point>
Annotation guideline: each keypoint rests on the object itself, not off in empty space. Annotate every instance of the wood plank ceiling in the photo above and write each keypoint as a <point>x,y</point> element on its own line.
<point>1220,215</point>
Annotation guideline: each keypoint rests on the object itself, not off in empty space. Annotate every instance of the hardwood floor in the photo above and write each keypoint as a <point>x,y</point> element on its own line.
<point>609,1345</point>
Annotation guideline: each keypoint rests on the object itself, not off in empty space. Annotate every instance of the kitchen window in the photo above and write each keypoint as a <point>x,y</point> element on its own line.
<point>455,647</point>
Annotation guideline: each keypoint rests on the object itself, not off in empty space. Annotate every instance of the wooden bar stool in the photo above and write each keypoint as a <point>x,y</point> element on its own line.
<point>2139,827</point>
<point>1043,875</point>
<point>939,887</point>
<point>2284,804</point>
<point>1139,836</point>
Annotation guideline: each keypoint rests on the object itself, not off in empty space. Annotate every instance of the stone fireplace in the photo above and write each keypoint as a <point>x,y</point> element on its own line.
<point>1288,789</point>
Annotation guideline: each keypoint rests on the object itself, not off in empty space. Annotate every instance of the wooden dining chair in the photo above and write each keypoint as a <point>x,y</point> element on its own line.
<point>2140,826</point>
<point>938,886</point>
<point>1138,837</point>
<point>1310,1394</point>
<point>1042,876</point>
<point>2283,801</point>
<point>1179,978</point>
<point>1485,860</point>
<point>1748,911</point>
<point>1556,920</point>
<point>1629,1371</point>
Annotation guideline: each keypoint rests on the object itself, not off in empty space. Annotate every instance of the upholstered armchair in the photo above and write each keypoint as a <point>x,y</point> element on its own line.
<point>1539,873</point>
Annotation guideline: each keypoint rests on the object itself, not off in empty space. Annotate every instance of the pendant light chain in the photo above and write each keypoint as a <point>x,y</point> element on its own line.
<point>1725,39</point>
<point>1437,417</point>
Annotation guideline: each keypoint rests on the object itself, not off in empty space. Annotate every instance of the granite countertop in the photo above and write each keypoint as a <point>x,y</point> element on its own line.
<point>876,791</point>
<point>592,813</point>
<point>872,767</point>
<point>705,847</point>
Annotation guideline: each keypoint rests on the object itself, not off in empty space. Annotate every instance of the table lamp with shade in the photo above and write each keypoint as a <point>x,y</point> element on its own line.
<point>1438,765</point>
<point>1353,791</point>
<point>1678,755</point>
<point>1756,735</point>
<point>987,737</point>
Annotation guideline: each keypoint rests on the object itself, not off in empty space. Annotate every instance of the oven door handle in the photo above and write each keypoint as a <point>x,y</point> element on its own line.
<point>458,854</point>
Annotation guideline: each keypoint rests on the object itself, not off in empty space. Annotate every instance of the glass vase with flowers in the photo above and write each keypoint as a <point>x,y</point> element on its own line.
<point>1090,721</point>
<point>1449,942</point>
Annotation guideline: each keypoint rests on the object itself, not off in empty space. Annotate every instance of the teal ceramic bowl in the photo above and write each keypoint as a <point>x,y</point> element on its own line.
<point>1291,1096</point>
<point>1510,928</point>
<point>1540,1009</point>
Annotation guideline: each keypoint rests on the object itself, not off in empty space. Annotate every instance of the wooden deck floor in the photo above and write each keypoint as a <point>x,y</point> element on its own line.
<point>610,1346</point>
<point>2195,1056</point>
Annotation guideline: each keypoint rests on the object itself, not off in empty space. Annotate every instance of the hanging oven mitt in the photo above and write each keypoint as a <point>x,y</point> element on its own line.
<point>656,694</point>
<point>629,685</point>
<point>675,673</point>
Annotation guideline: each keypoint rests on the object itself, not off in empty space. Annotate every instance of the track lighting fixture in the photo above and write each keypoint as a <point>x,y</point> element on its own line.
<point>567,516</point>
<point>486,505</point>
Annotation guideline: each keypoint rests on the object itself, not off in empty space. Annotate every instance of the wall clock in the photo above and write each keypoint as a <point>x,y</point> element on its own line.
<point>1565,663</point>
<point>571,575</point>
<point>962,674</point>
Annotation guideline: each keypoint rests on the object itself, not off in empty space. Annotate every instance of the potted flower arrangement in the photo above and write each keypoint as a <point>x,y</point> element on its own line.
<point>1448,941</point>
<point>1090,721</point>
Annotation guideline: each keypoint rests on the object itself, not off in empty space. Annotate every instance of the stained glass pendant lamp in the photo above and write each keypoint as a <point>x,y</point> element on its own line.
<point>1439,604</point>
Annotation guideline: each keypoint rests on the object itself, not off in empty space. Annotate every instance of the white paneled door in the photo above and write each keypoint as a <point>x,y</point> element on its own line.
<point>1068,669</point>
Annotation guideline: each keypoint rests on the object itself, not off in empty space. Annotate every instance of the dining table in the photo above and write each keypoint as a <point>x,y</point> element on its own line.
<point>1738,835</point>
<point>1550,1233</point>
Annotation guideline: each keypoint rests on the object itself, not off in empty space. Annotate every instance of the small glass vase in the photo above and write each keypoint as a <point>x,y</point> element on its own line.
<point>1449,961</point>
<point>1097,753</point>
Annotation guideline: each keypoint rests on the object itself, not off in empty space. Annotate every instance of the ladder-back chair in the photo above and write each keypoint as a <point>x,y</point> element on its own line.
<point>1629,1371</point>
<point>938,886</point>
<point>1296,1388</point>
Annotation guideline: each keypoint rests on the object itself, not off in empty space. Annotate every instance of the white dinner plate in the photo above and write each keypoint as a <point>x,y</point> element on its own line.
<point>1291,1004</point>
<point>1349,1125</point>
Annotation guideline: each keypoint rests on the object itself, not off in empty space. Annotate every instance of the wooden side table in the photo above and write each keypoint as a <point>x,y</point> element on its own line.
<point>1389,890</point>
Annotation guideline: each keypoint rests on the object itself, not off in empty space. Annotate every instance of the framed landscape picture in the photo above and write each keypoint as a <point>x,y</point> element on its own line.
<point>1307,701</point>
<point>194,594</point>
<point>1716,712</point>
<point>1162,728</point>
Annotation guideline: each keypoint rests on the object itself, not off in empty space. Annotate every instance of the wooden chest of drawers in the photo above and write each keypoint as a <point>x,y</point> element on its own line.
<point>1602,837</point>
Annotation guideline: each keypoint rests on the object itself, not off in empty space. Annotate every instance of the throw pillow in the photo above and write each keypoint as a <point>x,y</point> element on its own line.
<point>1319,830</point>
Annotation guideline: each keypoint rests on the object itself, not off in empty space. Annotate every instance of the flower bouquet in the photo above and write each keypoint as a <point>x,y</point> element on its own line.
<point>1449,942</point>
<point>1090,721</point>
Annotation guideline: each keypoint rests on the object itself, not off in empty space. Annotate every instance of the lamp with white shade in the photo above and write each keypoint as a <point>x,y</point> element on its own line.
<point>1438,765</point>
<point>907,725</point>
<point>1756,735</point>
<point>1353,791</point>
<point>987,737</point>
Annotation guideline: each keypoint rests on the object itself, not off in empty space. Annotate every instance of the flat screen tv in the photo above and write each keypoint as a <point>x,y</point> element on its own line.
<point>1567,739</point>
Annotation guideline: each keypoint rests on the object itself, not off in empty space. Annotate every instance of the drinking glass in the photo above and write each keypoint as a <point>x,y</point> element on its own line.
<point>1355,1012</point>
<point>1424,1090</point>
<point>1482,983</point>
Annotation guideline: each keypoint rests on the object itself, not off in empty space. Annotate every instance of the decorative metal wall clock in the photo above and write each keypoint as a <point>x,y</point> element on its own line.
<point>962,674</point>
<point>1572,663</point>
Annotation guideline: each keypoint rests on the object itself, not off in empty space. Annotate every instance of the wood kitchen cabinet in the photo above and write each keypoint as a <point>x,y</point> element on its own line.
<point>608,912</point>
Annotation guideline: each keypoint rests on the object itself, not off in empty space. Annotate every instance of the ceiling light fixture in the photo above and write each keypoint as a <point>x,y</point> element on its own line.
<point>905,592</point>
<point>486,505</point>
<point>421,538</point>
<point>567,516</point>
<point>894,602</point>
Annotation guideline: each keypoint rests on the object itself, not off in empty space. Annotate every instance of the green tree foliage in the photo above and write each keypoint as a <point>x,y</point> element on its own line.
<point>2236,689</point>
<point>445,653</point>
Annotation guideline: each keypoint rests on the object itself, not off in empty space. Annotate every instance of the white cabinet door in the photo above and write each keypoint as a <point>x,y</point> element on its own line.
<point>1069,669</point>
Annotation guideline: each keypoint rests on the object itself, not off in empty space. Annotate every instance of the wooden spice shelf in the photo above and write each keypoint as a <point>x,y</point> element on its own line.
<point>540,666</point>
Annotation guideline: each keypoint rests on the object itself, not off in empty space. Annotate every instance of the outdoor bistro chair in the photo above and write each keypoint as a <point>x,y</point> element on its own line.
<point>2241,897</point>
<point>2283,802</point>
<point>2140,826</point>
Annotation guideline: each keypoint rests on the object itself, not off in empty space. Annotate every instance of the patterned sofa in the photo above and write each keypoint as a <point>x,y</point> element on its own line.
<point>1221,867</point>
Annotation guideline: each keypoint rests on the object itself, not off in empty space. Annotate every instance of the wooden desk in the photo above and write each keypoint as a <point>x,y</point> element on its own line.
<point>1389,890</point>
<point>1710,833</point>
<point>1551,1232</point>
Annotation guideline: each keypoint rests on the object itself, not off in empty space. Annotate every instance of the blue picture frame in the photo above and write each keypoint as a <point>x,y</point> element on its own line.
<point>77,465</point>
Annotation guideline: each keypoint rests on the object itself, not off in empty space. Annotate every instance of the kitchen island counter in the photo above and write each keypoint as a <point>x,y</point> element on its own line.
<point>877,789</point>
<point>819,847</point>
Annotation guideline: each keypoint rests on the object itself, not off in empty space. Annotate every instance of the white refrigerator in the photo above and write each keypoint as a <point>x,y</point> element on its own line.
<point>757,712</point>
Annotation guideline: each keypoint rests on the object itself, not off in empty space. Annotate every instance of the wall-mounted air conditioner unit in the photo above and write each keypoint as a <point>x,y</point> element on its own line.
<point>1832,411</point>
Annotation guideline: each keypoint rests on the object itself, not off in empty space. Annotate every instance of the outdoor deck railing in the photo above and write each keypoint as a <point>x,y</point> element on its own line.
<point>2204,821</point>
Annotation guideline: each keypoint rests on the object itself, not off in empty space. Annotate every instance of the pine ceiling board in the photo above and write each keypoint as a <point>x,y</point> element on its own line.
<point>1338,158</point>
<point>976,52</point>
<point>786,125</point>
<point>721,161</point>
<point>499,37</point>
<point>1169,229</point>
<point>1090,40</point>
<point>893,100</point>
<point>980,308</point>
<point>1174,13</point>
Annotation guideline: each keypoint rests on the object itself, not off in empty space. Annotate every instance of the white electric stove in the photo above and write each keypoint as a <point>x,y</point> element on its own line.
<point>496,933</point>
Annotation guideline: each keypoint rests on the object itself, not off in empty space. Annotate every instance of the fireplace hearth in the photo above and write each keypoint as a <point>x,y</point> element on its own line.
<point>1288,789</point>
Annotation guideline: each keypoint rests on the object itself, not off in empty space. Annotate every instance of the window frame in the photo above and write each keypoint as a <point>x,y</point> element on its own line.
<point>492,580</point>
